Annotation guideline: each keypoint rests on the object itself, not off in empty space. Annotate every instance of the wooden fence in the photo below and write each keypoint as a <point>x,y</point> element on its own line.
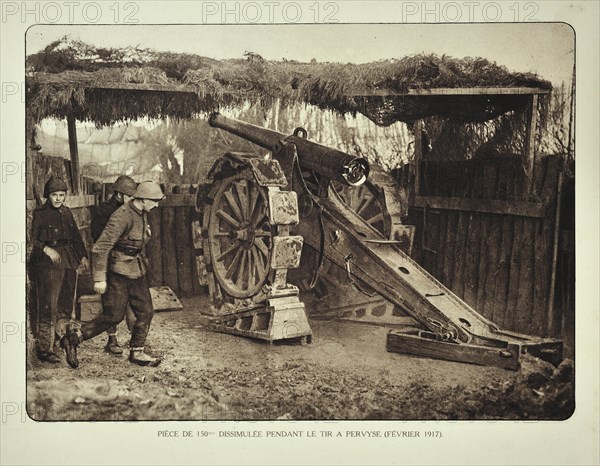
<point>171,251</point>
<point>489,235</point>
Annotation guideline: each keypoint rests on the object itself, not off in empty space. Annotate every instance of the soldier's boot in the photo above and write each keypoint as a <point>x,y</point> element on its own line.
<point>113,346</point>
<point>44,344</point>
<point>69,344</point>
<point>137,356</point>
<point>48,356</point>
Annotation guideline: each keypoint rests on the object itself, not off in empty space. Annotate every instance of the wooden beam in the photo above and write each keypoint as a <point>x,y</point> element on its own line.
<point>178,200</point>
<point>72,202</point>
<point>186,89</point>
<point>530,153</point>
<point>81,200</point>
<point>466,91</point>
<point>74,154</point>
<point>488,206</point>
<point>91,83</point>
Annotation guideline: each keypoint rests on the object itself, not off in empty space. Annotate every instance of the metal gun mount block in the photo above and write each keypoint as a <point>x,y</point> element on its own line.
<point>287,251</point>
<point>283,207</point>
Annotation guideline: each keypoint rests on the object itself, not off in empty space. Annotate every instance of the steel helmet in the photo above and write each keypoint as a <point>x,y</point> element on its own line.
<point>54,184</point>
<point>124,184</point>
<point>149,190</point>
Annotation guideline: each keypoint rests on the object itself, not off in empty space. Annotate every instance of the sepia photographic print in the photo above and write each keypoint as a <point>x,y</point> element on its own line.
<point>286,222</point>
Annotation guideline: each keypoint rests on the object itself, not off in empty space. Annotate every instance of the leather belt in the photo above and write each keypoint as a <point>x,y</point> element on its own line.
<point>127,250</point>
<point>60,242</point>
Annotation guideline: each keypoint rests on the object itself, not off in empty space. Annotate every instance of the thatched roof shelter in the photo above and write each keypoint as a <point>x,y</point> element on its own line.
<point>71,78</point>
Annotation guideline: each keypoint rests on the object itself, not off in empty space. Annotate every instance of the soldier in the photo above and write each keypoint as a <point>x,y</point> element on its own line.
<point>123,188</point>
<point>122,279</point>
<point>57,253</point>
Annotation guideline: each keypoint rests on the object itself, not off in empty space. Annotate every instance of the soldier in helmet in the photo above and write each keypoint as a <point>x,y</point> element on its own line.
<point>123,188</point>
<point>57,253</point>
<point>119,274</point>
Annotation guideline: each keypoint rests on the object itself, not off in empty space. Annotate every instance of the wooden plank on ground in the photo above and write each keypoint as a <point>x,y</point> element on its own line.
<point>413,343</point>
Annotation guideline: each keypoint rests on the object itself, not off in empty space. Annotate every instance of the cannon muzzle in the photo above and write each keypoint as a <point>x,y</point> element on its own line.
<point>325,161</point>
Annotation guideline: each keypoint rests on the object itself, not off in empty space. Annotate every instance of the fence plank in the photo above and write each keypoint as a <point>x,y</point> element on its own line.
<point>154,248</point>
<point>460,244</point>
<point>514,275</point>
<point>535,209</point>
<point>502,283</point>
<point>449,248</point>
<point>487,287</point>
<point>183,242</point>
<point>525,293</point>
<point>169,260</point>
<point>442,246</point>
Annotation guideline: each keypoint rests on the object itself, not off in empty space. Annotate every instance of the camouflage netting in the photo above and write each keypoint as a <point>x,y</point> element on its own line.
<point>110,85</point>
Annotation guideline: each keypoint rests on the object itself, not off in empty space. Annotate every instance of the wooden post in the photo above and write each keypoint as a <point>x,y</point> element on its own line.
<point>74,154</point>
<point>418,155</point>
<point>550,313</point>
<point>530,152</point>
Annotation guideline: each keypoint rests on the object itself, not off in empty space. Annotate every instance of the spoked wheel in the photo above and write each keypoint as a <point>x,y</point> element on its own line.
<point>239,235</point>
<point>366,201</point>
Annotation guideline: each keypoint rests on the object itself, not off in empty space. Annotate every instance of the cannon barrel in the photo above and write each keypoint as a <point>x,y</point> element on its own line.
<point>325,161</point>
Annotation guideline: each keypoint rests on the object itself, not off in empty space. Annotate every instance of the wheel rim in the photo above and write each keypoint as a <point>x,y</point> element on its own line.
<point>240,236</point>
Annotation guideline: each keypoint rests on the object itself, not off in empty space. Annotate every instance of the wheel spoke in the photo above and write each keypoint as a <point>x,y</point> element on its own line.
<point>241,187</point>
<point>260,218</point>
<point>364,204</point>
<point>233,266</point>
<point>262,247</point>
<point>258,262</point>
<point>227,251</point>
<point>254,202</point>
<point>234,206</point>
<point>234,223</point>
<point>241,276</point>
<point>375,218</point>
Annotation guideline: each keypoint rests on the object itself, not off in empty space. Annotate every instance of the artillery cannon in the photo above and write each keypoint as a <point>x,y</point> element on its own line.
<point>262,215</point>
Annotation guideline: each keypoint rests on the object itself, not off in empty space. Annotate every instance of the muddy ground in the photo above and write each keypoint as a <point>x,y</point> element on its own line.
<point>345,373</point>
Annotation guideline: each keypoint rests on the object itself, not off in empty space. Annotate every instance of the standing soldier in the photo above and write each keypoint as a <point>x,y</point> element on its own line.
<point>123,188</point>
<point>58,252</point>
<point>120,267</point>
